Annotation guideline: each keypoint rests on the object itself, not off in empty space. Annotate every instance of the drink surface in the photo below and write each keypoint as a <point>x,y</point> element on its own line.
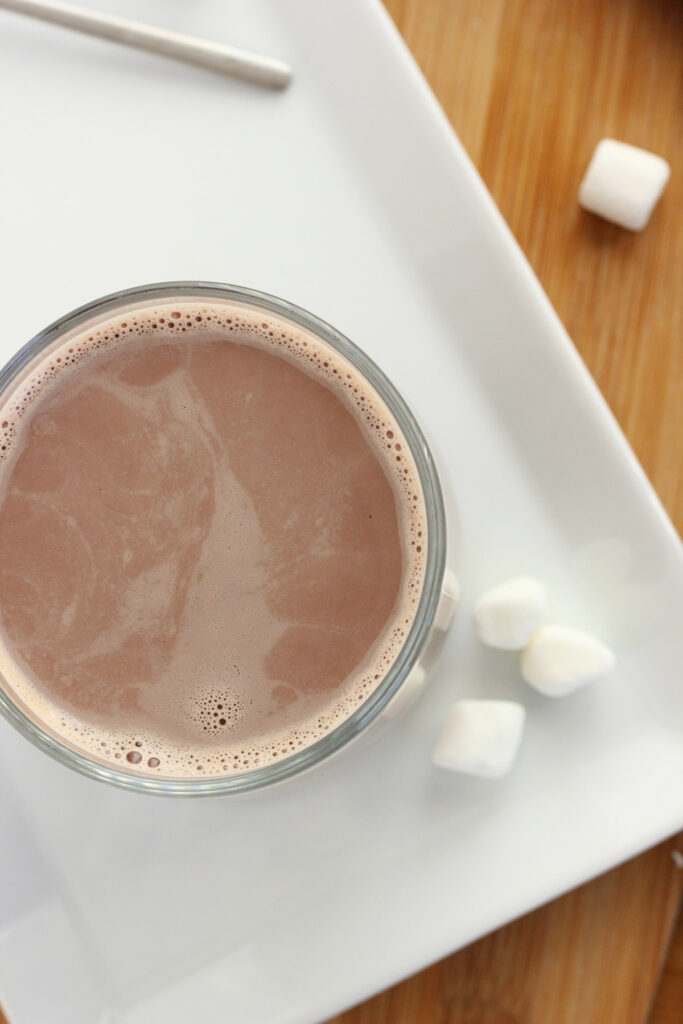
<point>212,539</point>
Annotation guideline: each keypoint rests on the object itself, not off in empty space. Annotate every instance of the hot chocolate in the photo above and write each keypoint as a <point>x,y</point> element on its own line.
<point>212,539</point>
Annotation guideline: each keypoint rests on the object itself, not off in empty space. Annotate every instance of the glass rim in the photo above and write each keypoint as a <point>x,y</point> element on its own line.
<point>415,641</point>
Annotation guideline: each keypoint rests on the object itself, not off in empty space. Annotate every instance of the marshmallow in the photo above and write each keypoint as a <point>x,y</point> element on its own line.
<point>412,685</point>
<point>508,615</point>
<point>481,737</point>
<point>623,183</point>
<point>448,602</point>
<point>559,660</point>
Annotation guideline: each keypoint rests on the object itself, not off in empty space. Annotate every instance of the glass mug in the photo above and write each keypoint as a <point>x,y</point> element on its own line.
<point>438,599</point>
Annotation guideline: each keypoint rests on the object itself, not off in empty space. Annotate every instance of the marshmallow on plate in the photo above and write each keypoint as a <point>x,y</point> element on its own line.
<point>448,602</point>
<point>623,183</point>
<point>481,737</point>
<point>412,685</point>
<point>559,660</point>
<point>508,615</point>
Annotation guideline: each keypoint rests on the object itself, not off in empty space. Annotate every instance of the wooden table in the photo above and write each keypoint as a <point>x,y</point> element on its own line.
<point>530,86</point>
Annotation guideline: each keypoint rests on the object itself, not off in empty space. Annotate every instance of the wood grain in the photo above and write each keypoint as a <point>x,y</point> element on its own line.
<point>530,86</point>
<point>668,1004</point>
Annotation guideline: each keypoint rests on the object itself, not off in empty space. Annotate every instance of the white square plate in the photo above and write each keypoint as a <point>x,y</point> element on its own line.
<point>350,195</point>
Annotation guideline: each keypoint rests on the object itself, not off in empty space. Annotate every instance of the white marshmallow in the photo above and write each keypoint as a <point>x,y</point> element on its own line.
<point>412,685</point>
<point>559,660</point>
<point>481,737</point>
<point>508,615</point>
<point>623,183</point>
<point>448,602</point>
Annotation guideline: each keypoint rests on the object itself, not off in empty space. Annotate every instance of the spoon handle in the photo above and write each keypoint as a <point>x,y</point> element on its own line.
<point>228,60</point>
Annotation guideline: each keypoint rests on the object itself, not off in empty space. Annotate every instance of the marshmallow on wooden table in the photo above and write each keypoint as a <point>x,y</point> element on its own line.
<point>623,183</point>
<point>559,660</point>
<point>508,615</point>
<point>481,737</point>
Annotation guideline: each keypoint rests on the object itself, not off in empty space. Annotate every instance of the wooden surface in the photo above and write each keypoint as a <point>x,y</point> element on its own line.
<point>530,86</point>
